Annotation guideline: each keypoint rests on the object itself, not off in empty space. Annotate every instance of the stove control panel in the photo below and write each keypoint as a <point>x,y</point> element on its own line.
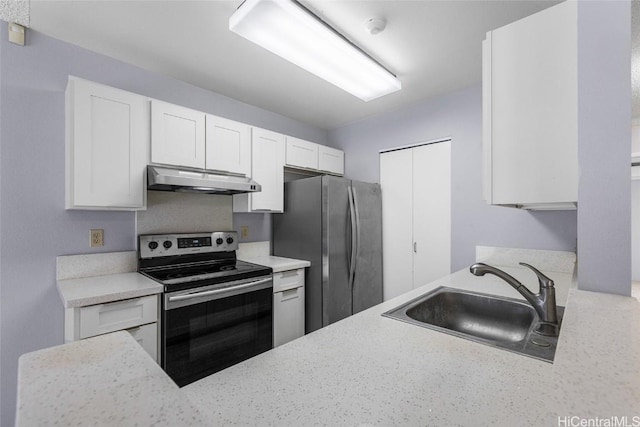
<point>155,245</point>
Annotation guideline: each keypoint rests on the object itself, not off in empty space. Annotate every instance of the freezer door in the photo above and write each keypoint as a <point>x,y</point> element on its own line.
<point>336,250</point>
<point>367,283</point>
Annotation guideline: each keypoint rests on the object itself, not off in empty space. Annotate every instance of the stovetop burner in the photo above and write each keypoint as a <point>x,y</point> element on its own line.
<point>184,261</point>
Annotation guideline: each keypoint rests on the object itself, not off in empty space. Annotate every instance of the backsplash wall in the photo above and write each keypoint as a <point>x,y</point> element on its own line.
<point>169,212</point>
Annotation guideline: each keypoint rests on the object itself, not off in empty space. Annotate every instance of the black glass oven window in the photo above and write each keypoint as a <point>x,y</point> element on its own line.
<point>205,338</point>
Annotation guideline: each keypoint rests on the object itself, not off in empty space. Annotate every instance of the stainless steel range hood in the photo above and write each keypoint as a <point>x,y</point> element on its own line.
<point>164,178</point>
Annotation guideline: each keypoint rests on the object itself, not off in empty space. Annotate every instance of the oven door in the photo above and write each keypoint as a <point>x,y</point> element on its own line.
<point>208,329</point>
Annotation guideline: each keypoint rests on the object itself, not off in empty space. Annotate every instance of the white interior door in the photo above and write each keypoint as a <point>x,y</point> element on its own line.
<point>397,219</point>
<point>431,212</point>
<point>416,216</point>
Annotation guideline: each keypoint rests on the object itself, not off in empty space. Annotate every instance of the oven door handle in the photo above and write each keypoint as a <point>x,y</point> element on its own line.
<point>217,291</point>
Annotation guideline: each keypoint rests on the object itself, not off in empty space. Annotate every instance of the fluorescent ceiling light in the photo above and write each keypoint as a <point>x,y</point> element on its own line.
<point>287,29</point>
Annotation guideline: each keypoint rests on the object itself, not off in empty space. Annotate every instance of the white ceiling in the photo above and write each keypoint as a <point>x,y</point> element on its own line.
<point>433,46</point>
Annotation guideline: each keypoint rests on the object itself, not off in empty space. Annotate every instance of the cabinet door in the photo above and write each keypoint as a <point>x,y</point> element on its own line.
<point>147,337</point>
<point>530,73</point>
<point>177,135</point>
<point>107,144</point>
<point>331,160</point>
<point>431,212</point>
<point>228,145</point>
<point>267,169</point>
<point>301,153</point>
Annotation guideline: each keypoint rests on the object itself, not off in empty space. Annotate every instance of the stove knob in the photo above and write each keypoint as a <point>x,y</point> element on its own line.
<point>219,241</point>
<point>229,240</point>
<point>167,244</point>
<point>153,245</point>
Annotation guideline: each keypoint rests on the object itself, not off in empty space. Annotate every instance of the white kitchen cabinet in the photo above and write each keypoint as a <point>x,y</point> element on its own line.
<point>331,160</point>
<point>107,143</point>
<point>301,154</point>
<point>139,316</point>
<point>416,215</point>
<point>267,169</point>
<point>177,135</point>
<point>530,141</point>
<point>228,145</point>
<point>288,306</point>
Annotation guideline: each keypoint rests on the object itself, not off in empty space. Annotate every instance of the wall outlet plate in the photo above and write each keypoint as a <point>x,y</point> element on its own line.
<point>97,237</point>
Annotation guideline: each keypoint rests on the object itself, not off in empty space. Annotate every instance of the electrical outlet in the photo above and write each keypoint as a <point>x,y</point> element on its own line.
<point>97,237</point>
<point>244,231</point>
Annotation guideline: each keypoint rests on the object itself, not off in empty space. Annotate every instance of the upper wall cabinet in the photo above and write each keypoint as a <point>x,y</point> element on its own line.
<point>267,168</point>
<point>301,154</point>
<point>107,140</point>
<point>228,145</point>
<point>331,160</point>
<point>530,141</point>
<point>177,135</point>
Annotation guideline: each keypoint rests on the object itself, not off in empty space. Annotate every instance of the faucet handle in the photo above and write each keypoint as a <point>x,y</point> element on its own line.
<point>544,281</point>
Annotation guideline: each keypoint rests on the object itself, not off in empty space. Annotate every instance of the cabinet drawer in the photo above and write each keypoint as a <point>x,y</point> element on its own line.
<point>288,279</point>
<point>114,316</point>
<point>301,153</point>
<point>147,337</point>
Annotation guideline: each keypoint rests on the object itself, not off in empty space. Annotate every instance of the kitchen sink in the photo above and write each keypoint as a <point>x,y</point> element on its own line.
<point>500,322</point>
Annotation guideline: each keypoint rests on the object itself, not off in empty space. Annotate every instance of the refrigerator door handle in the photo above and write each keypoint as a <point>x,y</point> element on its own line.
<point>354,243</point>
<point>357,232</point>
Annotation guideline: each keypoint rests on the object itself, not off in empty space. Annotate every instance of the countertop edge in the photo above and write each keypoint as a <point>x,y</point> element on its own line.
<point>86,291</point>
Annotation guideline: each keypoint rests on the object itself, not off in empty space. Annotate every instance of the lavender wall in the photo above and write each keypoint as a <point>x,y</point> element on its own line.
<point>459,116</point>
<point>34,227</point>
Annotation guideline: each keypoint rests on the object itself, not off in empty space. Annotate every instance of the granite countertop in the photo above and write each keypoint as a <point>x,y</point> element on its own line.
<point>90,279</point>
<point>86,291</point>
<point>107,380</point>
<point>372,370</point>
<point>364,370</point>
<point>278,264</point>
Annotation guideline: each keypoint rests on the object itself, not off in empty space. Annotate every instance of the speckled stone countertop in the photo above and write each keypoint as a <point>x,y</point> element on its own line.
<point>108,380</point>
<point>278,264</point>
<point>100,278</point>
<point>367,370</point>
<point>102,289</point>
<point>373,370</point>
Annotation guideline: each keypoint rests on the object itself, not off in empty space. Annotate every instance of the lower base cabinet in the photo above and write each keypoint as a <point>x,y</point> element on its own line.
<point>138,316</point>
<point>288,306</point>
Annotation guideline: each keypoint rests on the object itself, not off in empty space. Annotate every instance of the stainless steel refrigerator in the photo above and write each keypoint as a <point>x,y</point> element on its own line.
<point>336,224</point>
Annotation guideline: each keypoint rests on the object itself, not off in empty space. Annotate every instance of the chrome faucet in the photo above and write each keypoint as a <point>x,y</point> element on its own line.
<point>543,302</point>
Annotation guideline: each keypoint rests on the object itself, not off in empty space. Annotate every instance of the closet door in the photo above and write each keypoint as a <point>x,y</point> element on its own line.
<point>416,216</point>
<point>396,180</point>
<point>431,212</point>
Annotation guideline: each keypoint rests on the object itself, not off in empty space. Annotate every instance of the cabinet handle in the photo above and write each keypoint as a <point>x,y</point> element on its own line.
<point>289,294</point>
<point>415,247</point>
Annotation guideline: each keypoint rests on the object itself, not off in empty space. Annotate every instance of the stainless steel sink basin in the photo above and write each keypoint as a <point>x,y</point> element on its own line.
<point>500,322</point>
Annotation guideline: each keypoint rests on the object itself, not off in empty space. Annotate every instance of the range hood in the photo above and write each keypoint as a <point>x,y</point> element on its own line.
<point>164,178</point>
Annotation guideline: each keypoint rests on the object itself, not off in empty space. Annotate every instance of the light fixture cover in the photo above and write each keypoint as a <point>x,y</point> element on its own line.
<point>290,31</point>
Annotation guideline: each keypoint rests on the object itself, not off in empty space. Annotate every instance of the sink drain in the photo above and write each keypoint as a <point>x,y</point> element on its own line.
<point>540,343</point>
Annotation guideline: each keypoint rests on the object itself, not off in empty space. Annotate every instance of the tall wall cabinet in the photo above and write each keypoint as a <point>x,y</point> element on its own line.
<point>530,111</point>
<point>416,216</point>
